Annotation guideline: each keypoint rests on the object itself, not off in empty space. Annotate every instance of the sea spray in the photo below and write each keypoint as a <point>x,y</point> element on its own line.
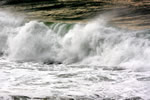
<point>8,27</point>
<point>96,43</point>
<point>104,62</point>
<point>92,43</point>
<point>34,42</point>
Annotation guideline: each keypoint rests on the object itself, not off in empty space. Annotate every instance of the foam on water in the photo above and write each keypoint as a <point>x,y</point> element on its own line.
<point>8,25</point>
<point>34,41</point>
<point>99,61</point>
<point>94,43</point>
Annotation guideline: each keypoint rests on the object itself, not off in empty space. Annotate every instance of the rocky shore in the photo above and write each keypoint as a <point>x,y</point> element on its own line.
<point>132,14</point>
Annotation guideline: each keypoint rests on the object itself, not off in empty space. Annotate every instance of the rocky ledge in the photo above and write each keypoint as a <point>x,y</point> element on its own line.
<point>134,14</point>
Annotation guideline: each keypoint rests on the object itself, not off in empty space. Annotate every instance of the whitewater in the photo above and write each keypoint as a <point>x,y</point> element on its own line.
<point>82,61</point>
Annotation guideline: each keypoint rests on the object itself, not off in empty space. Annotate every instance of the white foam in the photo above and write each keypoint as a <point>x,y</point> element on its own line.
<point>8,26</point>
<point>34,41</point>
<point>98,44</point>
<point>93,43</point>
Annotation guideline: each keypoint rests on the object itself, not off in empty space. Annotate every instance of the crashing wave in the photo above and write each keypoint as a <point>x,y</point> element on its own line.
<point>93,43</point>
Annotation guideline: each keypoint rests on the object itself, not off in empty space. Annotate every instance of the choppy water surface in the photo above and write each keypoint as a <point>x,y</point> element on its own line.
<point>98,61</point>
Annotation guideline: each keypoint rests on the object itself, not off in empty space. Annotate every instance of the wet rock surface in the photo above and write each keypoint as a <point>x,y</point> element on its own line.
<point>66,98</point>
<point>133,14</point>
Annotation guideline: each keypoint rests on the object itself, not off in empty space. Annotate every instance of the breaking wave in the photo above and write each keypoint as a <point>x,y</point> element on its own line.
<point>93,43</point>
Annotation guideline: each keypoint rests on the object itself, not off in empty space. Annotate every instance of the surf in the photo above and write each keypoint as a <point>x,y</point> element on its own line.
<point>93,43</point>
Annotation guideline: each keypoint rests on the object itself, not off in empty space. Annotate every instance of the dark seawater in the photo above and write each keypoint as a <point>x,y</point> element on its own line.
<point>94,60</point>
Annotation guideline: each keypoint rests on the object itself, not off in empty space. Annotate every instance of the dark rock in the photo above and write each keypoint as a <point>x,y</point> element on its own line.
<point>20,97</point>
<point>1,53</point>
<point>49,62</point>
<point>132,14</point>
<point>23,1</point>
<point>134,98</point>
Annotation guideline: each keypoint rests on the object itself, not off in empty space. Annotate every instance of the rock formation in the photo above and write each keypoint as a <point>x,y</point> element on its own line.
<point>131,12</point>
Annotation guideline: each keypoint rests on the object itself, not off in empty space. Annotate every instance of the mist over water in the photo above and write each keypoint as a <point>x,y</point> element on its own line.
<point>81,47</point>
<point>95,43</point>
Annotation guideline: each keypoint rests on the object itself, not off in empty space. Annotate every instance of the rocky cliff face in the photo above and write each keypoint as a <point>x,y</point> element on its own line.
<point>129,12</point>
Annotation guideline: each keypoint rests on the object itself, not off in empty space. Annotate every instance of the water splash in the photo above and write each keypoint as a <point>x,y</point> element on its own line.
<point>34,41</point>
<point>93,43</point>
<point>8,27</point>
<point>103,61</point>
